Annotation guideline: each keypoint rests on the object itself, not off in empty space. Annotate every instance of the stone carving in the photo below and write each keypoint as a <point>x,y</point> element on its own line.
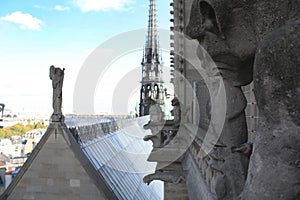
<point>274,170</point>
<point>155,139</point>
<point>176,112</point>
<point>155,124</point>
<point>163,136</point>
<point>156,114</point>
<point>166,176</point>
<point>163,131</point>
<point>245,149</point>
<point>223,166</point>
<point>231,31</point>
<point>57,77</point>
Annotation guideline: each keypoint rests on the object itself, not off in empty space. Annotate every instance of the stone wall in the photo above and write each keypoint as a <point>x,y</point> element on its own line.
<point>240,37</point>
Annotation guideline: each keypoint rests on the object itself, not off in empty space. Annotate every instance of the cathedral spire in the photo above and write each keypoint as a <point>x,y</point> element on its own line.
<point>152,89</point>
<point>152,48</point>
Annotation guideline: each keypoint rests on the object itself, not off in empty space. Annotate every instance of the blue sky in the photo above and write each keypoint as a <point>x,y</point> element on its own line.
<point>36,34</point>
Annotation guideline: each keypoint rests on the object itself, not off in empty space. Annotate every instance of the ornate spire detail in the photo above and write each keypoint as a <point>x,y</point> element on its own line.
<point>152,90</point>
<point>152,48</point>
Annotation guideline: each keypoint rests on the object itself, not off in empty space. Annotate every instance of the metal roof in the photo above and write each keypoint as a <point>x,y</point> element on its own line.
<point>119,154</point>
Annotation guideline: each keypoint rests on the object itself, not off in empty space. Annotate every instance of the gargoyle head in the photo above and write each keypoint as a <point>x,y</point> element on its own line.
<point>148,179</point>
<point>224,28</point>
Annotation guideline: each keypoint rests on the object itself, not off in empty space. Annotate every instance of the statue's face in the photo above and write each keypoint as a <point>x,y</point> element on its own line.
<point>224,29</point>
<point>58,71</point>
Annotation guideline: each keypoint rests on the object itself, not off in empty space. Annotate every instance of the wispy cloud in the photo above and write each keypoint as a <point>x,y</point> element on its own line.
<point>25,20</point>
<point>102,5</point>
<point>37,6</point>
<point>61,8</point>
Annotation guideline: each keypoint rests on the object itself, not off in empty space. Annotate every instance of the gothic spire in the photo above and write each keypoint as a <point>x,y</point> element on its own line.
<point>152,83</point>
<point>152,48</point>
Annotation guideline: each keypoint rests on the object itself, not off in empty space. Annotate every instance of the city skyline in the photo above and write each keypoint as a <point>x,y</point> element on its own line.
<point>35,35</point>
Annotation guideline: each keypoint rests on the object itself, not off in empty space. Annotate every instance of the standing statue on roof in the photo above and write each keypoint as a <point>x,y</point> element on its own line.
<point>57,77</point>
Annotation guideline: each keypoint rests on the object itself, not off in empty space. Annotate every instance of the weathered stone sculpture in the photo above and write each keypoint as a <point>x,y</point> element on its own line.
<point>156,122</point>
<point>274,170</point>
<point>57,77</point>
<point>156,125</point>
<point>231,31</point>
<point>155,112</point>
<point>225,171</point>
<point>166,176</point>
<point>176,112</point>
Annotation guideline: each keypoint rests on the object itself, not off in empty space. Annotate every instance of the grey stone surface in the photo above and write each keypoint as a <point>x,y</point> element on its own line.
<point>197,187</point>
<point>274,170</point>
<point>176,112</point>
<point>55,170</point>
<point>225,171</point>
<point>175,177</point>
<point>175,191</point>
<point>241,36</point>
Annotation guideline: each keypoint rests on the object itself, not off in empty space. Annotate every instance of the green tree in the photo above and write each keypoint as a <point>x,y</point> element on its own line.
<point>19,129</point>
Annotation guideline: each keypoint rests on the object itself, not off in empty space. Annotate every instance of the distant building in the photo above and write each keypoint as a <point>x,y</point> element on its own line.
<point>6,147</point>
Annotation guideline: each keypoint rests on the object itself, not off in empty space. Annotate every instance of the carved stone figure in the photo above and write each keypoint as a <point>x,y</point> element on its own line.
<point>245,149</point>
<point>57,77</point>
<point>233,57</point>
<point>166,176</point>
<point>231,31</point>
<point>176,112</point>
<point>156,114</point>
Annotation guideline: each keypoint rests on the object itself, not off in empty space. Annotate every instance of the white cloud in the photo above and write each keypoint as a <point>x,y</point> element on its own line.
<point>37,6</point>
<point>24,20</point>
<point>97,5</point>
<point>61,8</point>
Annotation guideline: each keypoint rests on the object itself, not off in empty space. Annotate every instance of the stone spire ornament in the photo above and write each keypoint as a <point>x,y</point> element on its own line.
<point>152,81</point>
<point>57,77</point>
